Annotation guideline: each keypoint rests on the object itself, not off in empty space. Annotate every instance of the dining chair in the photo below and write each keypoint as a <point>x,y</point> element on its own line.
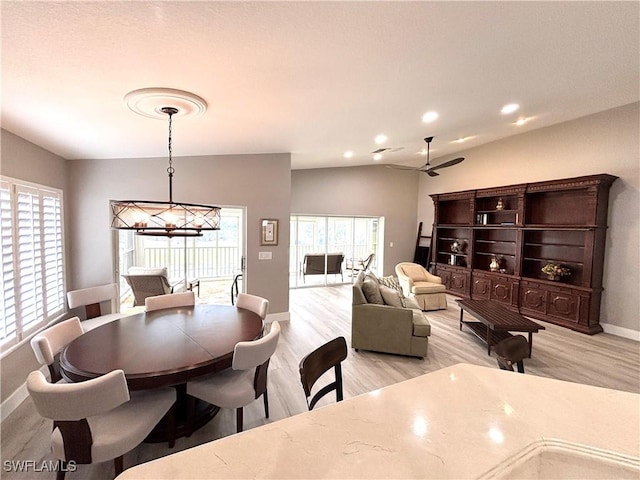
<point>238,386</point>
<point>182,299</point>
<point>90,298</point>
<point>511,351</point>
<point>317,363</point>
<point>254,303</point>
<point>99,420</point>
<point>49,343</point>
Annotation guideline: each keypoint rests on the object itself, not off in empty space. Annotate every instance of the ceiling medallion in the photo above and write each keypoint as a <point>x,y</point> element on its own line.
<point>149,102</point>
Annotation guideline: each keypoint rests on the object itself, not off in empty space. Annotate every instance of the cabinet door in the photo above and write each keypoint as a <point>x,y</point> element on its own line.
<point>445,275</point>
<point>505,291</point>
<point>460,283</point>
<point>481,287</point>
<point>532,298</point>
<point>563,305</point>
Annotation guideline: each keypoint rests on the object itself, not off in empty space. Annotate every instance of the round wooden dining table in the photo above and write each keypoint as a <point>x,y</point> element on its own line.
<point>161,348</point>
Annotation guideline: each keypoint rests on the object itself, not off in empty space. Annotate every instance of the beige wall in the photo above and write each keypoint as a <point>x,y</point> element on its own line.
<point>261,183</point>
<point>607,142</point>
<point>363,191</point>
<point>25,161</point>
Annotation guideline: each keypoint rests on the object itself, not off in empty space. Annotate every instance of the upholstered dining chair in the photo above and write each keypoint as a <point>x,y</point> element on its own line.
<point>98,420</point>
<point>91,298</point>
<point>238,386</point>
<point>317,363</point>
<point>49,343</point>
<point>182,299</point>
<point>254,303</point>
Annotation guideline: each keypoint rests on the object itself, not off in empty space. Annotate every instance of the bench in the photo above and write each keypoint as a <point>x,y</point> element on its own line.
<point>495,322</point>
<point>315,264</point>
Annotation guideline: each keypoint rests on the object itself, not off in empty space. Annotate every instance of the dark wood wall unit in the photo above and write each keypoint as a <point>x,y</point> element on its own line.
<point>508,234</point>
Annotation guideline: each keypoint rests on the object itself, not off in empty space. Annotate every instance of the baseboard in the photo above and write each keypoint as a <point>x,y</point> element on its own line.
<point>279,317</point>
<point>621,331</point>
<point>14,400</point>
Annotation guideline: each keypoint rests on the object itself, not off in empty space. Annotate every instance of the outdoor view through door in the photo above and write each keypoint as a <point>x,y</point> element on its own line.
<point>206,264</point>
<point>327,250</point>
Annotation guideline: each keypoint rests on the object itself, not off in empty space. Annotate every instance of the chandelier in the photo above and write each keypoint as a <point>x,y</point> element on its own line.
<point>166,219</point>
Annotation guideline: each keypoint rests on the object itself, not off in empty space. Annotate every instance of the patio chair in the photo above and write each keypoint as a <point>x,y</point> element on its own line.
<point>148,282</point>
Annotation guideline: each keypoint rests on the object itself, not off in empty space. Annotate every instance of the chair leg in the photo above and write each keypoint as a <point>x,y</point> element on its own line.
<point>61,471</point>
<point>118,463</point>
<point>520,366</point>
<point>265,397</point>
<point>239,419</point>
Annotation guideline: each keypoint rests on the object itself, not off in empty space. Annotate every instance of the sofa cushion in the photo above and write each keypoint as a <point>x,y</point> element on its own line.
<point>412,303</point>
<point>391,296</point>
<point>421,326</point>
<point>427,287</point>
<point>415,272</point>
<point>371,290</point>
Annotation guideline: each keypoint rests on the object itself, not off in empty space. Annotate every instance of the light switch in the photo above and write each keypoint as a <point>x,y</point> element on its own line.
<point>265,255</point>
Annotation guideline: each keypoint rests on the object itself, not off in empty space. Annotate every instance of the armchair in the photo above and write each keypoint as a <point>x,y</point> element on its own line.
<point>417,282</point>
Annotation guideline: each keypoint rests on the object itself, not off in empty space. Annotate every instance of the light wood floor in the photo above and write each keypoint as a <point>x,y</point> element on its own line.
<point>319,314</point>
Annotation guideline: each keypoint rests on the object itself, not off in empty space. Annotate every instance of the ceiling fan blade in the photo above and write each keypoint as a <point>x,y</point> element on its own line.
<point>448,163</point>
<point>402,167</point>
<point>431,173</point>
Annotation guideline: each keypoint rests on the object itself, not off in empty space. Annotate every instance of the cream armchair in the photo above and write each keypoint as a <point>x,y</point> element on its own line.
<point>426,288</point>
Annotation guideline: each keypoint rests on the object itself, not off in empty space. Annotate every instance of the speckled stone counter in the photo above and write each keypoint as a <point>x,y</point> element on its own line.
<point>458,422</point>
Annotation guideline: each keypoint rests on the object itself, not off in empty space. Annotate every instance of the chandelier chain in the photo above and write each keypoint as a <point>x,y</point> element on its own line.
<point>170,169</point>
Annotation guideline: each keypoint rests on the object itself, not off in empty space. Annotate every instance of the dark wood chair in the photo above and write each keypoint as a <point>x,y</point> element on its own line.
<point>512,351</point>
<point>316,363</point>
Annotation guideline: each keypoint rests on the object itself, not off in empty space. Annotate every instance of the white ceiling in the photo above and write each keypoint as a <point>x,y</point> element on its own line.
<point>310,78</point>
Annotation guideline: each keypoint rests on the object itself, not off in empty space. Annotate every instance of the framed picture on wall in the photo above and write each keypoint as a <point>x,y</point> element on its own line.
<point>269,232</point>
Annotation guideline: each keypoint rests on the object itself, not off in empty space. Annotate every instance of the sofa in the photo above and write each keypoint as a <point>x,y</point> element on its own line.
<point>382,320</point>
<point>418,283</point>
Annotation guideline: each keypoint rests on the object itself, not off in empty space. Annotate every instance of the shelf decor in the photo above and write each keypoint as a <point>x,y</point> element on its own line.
<point>494,266</point>
<point>555,272</point>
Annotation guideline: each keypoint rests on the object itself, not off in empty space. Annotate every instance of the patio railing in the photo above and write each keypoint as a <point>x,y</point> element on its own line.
<point>202,262</point>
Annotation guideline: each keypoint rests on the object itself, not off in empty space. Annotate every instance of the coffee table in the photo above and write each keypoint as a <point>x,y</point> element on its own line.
<point>495,322</point>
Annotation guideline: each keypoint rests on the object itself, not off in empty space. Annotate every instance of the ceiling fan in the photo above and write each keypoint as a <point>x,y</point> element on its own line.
<point>427,167</point>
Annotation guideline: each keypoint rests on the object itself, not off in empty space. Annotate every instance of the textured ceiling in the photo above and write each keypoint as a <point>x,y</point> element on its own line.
<point>310,78</point>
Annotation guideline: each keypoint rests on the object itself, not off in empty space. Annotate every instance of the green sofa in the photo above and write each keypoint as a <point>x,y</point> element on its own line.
<point>386,327</point>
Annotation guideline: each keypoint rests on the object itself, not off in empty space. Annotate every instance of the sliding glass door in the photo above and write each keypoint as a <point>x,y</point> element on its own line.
<point>214,259</point>
<point>322,248</point>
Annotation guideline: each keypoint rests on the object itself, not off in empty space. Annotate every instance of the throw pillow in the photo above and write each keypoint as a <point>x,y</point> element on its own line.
<point>392,282</point>
<point>391,296</point>
<point>371,290</point>
<point>411,302</point>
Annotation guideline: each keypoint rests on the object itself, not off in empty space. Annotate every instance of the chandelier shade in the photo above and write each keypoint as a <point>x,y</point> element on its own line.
<point>166,219</point>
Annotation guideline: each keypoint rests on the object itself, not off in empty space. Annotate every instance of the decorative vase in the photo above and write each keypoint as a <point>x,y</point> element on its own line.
<point>494,266</point>
<point>500,205</point>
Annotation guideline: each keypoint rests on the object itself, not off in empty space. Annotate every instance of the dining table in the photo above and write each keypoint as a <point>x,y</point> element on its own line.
<point>166,347</point>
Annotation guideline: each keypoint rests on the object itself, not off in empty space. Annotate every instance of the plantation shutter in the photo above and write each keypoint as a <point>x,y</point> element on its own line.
<point>32,258</point>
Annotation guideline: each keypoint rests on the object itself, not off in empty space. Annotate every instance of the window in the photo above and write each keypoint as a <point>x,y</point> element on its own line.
<point>31,246</point>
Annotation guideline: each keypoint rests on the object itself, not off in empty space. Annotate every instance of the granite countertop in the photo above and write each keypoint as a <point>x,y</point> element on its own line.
<point>458,422</point>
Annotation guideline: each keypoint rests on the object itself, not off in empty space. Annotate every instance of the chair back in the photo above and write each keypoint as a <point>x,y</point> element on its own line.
<point>366,263</point>
<point>91,297</point>
<point>248,355</point>
<point>316,363</point>
<point>254,303</point>
<point>144,286</point>
<point>49,343</point>
<point>183,299</point>
<point>75,401</point>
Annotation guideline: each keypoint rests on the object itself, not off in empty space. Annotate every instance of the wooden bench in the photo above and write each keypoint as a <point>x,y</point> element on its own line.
<point>495,322</point>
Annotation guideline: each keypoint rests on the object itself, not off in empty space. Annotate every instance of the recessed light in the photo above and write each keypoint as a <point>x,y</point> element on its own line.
<point>377,156</point>
<point>521,121</point>
<point>380,139</point>
<point>348,154</point>
<point>430,117</point>
<point>462,139</point>
<point>509,108</point>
